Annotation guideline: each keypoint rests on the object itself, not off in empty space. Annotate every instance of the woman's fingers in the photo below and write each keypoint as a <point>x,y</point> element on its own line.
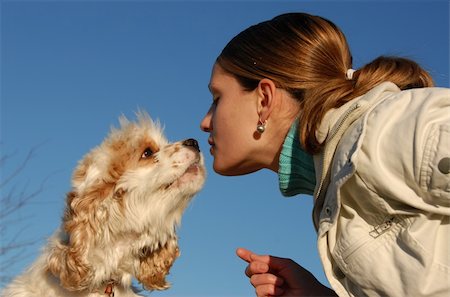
<point>248,256</point>
<point>267,285</point>
<point>266,279</point>
<point>256,268</point>
<point>244,254</point>
<point>275,263</point>
<point>268,290</point>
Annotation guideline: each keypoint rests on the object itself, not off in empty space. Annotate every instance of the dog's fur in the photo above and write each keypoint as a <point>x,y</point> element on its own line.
<point>127,198</point>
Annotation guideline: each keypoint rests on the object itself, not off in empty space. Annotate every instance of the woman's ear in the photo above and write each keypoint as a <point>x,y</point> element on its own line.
<point>267,98</point>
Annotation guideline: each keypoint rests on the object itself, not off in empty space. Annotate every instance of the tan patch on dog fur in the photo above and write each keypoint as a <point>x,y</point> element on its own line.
<point>155,266</point>
<point>80,173</point>
<point>148,143</point>
<point>175,150</point>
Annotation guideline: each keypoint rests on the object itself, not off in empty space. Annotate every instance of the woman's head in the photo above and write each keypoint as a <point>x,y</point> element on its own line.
<point>307,57</point>
<point>291,51</point>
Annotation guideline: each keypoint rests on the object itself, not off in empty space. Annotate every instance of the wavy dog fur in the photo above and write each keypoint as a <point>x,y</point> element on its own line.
<point>128,196</point>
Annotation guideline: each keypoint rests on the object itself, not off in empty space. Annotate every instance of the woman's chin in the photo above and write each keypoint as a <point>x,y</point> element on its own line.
<point>222,170</point>
<point>231,170</point>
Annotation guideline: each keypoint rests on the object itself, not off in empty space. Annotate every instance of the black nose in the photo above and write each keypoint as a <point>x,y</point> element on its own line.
<point>191,142</point>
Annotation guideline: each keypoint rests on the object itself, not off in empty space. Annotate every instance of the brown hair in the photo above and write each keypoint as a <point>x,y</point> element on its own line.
<point>308,56</point>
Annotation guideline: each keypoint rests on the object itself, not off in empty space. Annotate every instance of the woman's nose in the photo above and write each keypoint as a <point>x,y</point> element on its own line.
<point>206,124</point>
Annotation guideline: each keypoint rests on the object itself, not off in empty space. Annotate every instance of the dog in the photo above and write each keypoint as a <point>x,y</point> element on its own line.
<point>127,199</point>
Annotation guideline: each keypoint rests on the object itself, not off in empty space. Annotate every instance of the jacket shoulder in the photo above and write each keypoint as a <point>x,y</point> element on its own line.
<point>404,146</point>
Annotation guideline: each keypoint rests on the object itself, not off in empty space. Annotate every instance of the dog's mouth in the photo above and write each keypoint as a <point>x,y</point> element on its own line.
<point>193,172</point>
<point>193,168</point>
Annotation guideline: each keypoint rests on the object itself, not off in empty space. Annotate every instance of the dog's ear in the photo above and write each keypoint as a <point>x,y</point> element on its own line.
<point>68,261</point>
<point>68,265</point>
<point>155,266</point>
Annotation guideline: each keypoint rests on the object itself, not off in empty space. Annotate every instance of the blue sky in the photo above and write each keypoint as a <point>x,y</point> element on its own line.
<point>69,69</point>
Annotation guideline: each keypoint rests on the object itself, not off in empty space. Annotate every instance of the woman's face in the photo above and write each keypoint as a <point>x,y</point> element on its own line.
<point>231,123</point>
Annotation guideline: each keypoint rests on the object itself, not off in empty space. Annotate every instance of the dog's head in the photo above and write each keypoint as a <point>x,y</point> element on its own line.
<point>127,198</point>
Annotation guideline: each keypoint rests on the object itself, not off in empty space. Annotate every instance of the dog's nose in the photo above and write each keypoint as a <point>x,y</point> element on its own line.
<point>191,142</point>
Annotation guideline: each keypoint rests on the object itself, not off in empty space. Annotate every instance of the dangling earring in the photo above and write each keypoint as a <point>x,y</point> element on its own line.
<point>261,127</point>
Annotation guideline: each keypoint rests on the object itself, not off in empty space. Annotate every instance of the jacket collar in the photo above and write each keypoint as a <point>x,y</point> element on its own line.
<point>331,130</point>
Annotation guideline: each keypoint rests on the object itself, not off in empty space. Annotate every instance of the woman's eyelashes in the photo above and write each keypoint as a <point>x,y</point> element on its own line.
<point>215,101</point>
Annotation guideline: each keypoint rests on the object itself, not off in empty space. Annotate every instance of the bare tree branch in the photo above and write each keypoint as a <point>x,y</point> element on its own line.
<point>13,199</point>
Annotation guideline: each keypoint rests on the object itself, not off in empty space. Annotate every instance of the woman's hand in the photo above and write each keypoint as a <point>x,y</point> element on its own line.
<point>273,276</point>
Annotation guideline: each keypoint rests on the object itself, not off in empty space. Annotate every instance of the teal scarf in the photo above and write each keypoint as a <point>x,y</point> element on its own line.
<point>296,173</point>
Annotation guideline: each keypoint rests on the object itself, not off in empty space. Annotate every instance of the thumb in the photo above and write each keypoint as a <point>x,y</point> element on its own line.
<point>244,254</point>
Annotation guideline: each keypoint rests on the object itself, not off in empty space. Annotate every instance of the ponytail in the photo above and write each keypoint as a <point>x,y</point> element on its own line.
<point>405,73</point>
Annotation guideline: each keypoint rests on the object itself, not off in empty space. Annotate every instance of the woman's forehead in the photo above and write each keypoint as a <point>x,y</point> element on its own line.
<point>219,77</point>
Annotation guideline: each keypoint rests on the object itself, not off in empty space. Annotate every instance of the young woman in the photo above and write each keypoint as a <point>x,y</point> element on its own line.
<point>371,145</point>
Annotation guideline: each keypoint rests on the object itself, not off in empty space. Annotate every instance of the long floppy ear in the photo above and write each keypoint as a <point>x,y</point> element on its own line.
<point>155,266</point>
<point>67,264</point>
<point>67,260</point>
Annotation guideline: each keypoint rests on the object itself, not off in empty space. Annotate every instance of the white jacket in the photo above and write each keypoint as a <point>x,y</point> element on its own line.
<point>382,205</point>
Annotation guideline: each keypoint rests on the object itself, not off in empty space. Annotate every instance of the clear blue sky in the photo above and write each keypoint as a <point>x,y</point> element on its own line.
<point>69,69</point>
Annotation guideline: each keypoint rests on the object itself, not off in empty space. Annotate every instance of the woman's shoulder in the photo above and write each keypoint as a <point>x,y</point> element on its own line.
<point>403,140</point>
<point>412,109</point>
<point>417,96</point>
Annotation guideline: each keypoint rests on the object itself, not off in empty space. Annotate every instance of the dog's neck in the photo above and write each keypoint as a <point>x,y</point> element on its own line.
<point>109,290</point>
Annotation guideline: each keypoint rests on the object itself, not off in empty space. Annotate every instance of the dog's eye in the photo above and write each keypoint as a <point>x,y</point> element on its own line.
<point>147,153</point>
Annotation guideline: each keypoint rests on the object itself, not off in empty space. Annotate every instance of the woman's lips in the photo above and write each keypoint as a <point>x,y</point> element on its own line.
<point>211,143</point>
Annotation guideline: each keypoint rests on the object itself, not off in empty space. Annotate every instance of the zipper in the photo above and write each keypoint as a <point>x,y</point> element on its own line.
<point>342,120</point>
<point>363,241</point>
<point>331,136</point>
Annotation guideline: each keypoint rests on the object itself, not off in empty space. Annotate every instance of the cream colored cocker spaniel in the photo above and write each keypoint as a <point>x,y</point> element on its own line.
<point>128,196</point>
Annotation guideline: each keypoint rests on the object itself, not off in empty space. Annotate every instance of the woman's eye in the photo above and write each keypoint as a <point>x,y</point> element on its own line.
<point>147,153</point>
